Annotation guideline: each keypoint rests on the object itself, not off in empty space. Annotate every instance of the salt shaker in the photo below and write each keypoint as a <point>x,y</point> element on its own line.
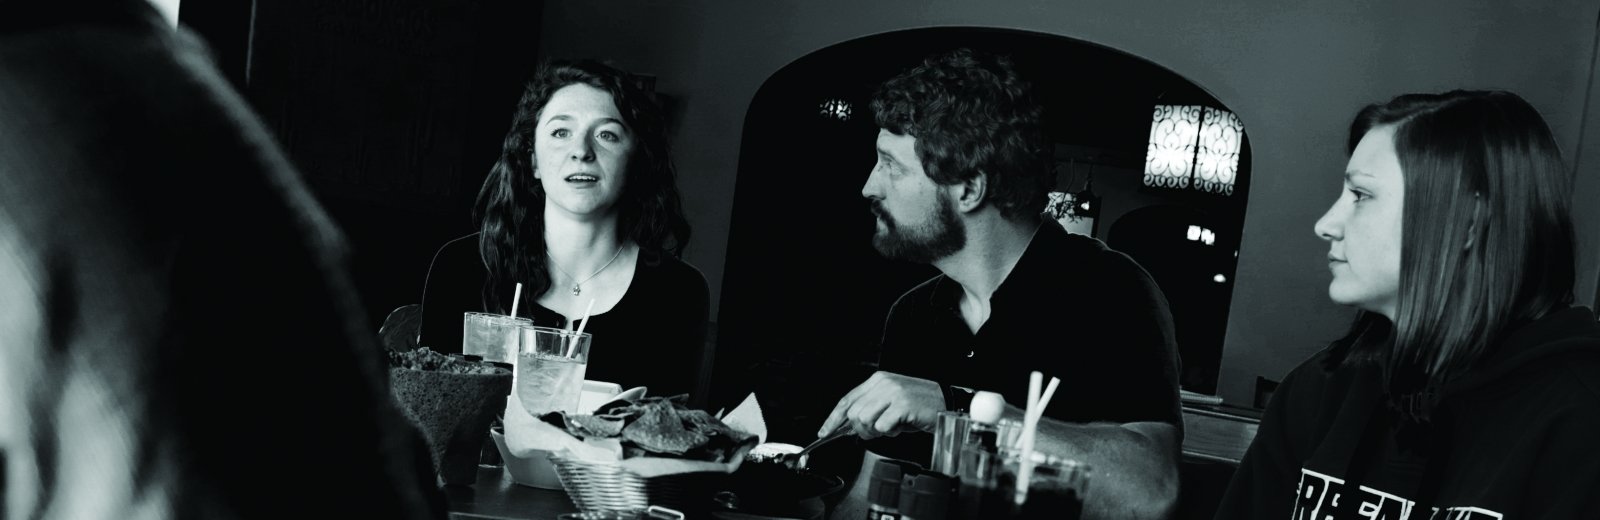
<point>980,456</point>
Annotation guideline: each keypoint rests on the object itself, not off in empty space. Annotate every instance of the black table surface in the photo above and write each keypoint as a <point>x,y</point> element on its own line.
<point>495,496</point>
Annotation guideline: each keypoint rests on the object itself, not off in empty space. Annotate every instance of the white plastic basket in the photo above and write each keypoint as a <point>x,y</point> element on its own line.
<point>607,486</point>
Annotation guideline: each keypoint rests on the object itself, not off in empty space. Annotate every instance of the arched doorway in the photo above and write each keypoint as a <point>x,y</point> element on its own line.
<point>1191,256</point>
<point>804,295</point>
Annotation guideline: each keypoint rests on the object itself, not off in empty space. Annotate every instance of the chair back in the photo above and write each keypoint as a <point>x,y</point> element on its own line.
<point>400,330</point>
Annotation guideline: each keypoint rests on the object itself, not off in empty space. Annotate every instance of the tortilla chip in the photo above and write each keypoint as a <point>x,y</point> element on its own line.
<point>619,409</point>
<point>701,421</point>
<point>722,441</point>
<point>657,427</point>
<point>590,426</point>
<point>556,419</point>
<point>660,429</point>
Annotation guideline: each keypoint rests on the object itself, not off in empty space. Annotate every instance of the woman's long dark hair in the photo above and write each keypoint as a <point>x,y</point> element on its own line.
<point>1487,241</point>
<point>510,207</point>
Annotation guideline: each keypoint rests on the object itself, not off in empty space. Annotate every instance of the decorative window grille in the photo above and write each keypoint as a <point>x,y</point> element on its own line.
<point>1217,160</point>
<point>1193,146</point>
<point>1169,163</point>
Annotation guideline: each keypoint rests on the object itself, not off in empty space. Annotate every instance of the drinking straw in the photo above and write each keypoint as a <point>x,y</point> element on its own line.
<point>1030,431</point>
<point>572,349</point>
<point>516,299</point>
<point>516,351</point>
<point>1035,383</point>
<point>1044,400</point>
<point>1024,445</point>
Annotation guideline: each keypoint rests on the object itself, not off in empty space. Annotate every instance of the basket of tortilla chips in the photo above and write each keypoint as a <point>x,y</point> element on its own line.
<point>651,452</point>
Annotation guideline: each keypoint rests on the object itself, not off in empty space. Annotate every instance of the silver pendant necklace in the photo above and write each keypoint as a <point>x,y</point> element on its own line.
<point>577,285</point>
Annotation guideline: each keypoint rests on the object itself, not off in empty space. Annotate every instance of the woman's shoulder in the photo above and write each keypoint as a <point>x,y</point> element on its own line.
<point>663,281</point>
<point>1321,376</point>
<point>671,270</point>
<point>1313,401</point>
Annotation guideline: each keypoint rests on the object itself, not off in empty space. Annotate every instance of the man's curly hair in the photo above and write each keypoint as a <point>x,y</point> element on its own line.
<point>971,114</point>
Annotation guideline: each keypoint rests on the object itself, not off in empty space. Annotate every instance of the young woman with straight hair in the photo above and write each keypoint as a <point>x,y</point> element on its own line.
<point>1468,387</point>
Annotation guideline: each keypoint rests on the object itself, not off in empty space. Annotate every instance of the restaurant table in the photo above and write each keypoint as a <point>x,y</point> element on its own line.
<point>496,497</point>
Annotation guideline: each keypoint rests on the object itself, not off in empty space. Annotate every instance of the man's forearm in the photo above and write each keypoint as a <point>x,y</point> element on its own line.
<point>1133,466</point>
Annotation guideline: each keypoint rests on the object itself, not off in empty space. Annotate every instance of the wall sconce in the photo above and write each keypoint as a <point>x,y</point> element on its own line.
<point>1077,212</point>
<point>1088,203</point>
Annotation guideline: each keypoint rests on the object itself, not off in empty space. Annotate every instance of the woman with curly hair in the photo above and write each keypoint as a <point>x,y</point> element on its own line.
<point>583,207</point>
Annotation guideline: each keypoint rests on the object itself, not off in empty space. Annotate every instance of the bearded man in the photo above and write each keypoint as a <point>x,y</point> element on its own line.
<point>960,183</point>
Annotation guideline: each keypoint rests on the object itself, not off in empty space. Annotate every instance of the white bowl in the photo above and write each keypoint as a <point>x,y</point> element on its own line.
<point>770,451</point>
<point>535,470</point>
<point>596,393</point>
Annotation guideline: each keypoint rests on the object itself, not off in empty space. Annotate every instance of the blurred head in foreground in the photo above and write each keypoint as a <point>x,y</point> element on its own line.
<point>180,338</point>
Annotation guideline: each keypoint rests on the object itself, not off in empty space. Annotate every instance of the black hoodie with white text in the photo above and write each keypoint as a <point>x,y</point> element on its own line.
<point>1512,438</point>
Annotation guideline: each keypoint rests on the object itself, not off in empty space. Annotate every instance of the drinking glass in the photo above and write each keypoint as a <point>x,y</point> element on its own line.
<point>491,336</point>
<point>550,368</point>
<point>949,435</point>
<point>1055,489</point>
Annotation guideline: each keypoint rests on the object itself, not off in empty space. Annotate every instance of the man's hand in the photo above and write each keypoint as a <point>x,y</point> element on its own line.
<point>887,404</point>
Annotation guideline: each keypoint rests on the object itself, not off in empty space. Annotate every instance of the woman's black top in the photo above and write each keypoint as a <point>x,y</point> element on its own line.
<point>653,337</point>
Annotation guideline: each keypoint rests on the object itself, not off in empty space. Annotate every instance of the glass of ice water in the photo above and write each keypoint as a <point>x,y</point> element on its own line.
<point>491,336</point>
<point>550,368</point>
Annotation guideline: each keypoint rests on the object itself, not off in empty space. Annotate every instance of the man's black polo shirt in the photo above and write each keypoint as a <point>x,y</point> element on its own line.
<point>1071,308</point>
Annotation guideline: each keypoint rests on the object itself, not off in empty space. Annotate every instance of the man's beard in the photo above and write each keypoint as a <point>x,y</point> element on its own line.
<point>939,238</point>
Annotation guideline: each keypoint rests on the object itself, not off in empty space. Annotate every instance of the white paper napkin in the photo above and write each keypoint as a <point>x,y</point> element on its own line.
<point>747,418</point>
<point>526,434</point>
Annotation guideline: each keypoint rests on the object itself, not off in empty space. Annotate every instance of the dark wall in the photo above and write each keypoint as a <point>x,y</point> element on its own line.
<point>799,256</point>
<point>225,26</point>
<point>1586,181</point>
<point>1294,75</point>
<point>393,111</point>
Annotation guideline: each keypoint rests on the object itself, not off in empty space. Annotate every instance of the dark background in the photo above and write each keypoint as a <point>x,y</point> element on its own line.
<point>393,112</point>
<point>804,295</point>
